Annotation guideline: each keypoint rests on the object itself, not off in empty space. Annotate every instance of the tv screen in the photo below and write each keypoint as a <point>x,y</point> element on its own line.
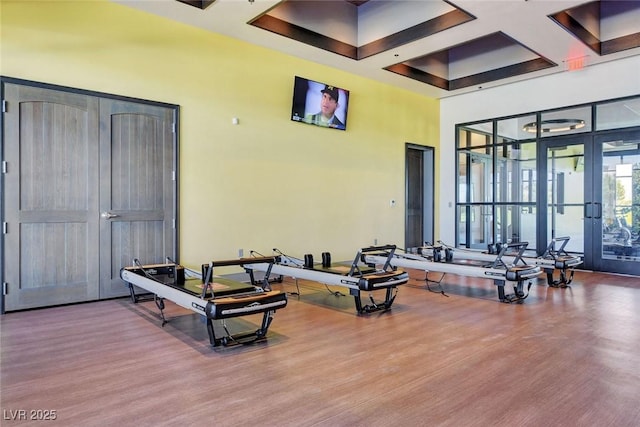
<point>319,104</point>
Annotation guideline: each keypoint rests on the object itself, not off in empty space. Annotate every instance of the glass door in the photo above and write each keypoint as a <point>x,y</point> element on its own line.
<point>564,193</point>
<point>615,214</point>
<point>592,195</point>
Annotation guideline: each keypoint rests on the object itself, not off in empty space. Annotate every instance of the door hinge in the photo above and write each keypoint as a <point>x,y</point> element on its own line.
<point>5,227</point>
<point>5,288</point>
<point>4,105</point>
<point>173,223</point>
<point>4,166</point>
<point>173,175</point>
<point>173,127</point>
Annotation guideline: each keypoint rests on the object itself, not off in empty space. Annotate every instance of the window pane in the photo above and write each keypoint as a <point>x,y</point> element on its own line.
<point>564,122</point>
<point>463,193</point>
<point>516,224</point>
<point>475,135</point>
<point>481,224</point>
<point>621,200</point>
<point>513,129</point>
<point>516,173</point>
<point>478,221</point>
<point>619,114</point>
<point>477,186</point>
<point>569,223</point>
<point>462,224</point>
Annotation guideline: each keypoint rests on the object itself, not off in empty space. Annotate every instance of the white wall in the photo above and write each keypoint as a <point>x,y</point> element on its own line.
<point>614,79</point>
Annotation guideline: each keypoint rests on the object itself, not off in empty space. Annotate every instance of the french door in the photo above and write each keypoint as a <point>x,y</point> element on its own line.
<point>89,184</point>
<point>592,194</point>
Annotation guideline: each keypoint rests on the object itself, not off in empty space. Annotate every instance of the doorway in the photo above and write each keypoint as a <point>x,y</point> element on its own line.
<point>90,183</point>
<point>419,189</point>
<point>592,194</point>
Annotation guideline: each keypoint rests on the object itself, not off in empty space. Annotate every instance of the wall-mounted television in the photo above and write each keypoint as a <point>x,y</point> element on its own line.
<point>319,104</point>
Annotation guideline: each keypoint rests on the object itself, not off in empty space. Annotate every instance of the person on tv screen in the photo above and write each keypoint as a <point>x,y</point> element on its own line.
<point>328,105</point>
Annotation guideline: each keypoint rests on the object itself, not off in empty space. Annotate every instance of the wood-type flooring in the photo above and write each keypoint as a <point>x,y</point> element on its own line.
<point>565,357</point>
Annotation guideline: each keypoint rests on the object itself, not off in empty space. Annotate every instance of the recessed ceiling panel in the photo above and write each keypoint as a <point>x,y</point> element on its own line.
<point>359,29</point>
<point>492,57</point>
<point>452,46</point>
<point>606,26</point>
<point>380,19</point>
<point>339,22</point>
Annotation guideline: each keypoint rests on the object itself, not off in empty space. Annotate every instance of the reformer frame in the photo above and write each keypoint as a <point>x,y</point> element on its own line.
<point>551,260</point>
<point>241,299</point>
<point>499,271</point>
<point>359,277</point>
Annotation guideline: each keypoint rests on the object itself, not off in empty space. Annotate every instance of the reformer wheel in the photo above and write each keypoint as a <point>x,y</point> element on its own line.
<point>448,254</point>
<point>437,256</point>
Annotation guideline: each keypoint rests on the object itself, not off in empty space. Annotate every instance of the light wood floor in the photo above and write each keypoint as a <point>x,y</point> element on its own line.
<point>566,357</point>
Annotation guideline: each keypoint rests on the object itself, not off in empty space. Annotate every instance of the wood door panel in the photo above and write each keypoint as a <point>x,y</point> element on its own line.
<point>49,275</point>
<point>51,197</point>
<point>54,154</point>
<point>137,150</point>
<point>145,239</point>
<point>139,145</point>
<point>40,247</point>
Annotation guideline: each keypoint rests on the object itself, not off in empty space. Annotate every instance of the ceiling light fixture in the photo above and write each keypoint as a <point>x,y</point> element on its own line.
<point>554,125</point>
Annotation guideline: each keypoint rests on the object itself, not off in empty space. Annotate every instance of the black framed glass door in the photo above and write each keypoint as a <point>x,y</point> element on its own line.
<point>615,222</point>
<point>592,194</point>
<point>563,194</point>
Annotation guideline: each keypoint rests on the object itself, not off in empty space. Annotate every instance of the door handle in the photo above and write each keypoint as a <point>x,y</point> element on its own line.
<point>587,211</point>
<point>109,215</point>
<point>598,215</point>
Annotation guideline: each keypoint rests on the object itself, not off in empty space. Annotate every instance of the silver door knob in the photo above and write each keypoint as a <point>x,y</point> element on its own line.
<point>109,215</point>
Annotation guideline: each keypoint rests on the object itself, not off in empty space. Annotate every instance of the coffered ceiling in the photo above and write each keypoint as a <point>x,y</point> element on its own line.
<point>438,48</point>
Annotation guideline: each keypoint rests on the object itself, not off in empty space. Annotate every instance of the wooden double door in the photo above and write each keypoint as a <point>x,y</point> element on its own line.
<point>89,184</point>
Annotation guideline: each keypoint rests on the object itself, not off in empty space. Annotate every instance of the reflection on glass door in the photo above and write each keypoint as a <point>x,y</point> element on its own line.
<point>619,245</point>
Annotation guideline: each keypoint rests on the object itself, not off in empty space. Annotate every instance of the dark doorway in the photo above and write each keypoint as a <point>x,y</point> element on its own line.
<point>419,188</point>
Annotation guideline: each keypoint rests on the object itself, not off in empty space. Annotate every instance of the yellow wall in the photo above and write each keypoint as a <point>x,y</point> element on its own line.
<point>267,182</point>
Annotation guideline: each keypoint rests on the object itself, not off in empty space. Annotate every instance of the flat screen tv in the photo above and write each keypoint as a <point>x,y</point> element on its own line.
<point>319,104</point>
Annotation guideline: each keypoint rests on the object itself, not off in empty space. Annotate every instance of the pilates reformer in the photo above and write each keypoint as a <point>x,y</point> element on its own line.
<point>213,297</point>
<point>551,260</point>
<point>499,271</point>
<point>354,276</point>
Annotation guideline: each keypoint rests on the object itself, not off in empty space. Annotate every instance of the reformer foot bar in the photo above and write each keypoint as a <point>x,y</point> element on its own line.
<point>499,271</point>
<point>214,298</point>
<point>355,276</point>
<point>551,260</point>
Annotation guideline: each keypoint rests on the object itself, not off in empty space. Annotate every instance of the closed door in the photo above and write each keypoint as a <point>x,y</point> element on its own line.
<point>419,195</point>
<point>565,191</point>
<point>592,196</point>
<point>80,174</point>
<point>614,216</point>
